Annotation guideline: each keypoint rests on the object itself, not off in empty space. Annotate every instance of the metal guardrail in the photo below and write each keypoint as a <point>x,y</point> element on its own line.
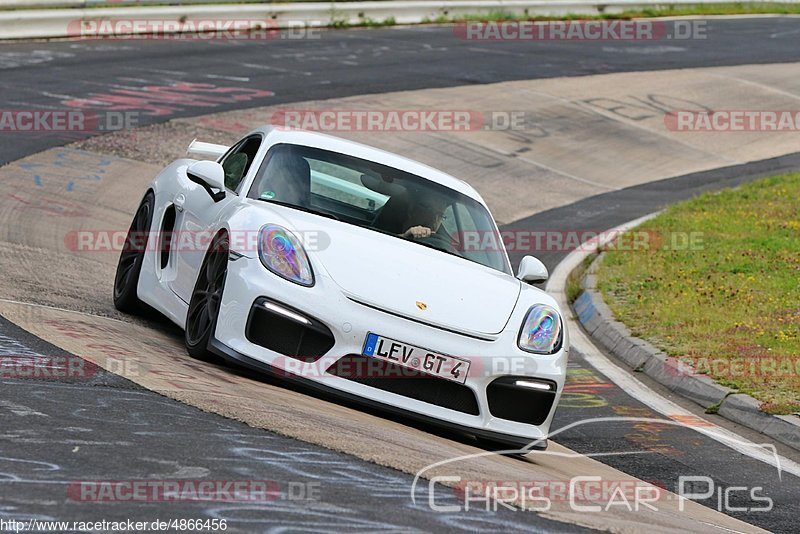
<point>54,23</point>
<point>78,4</point>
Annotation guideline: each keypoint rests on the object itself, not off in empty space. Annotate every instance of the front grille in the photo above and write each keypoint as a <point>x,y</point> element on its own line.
<point>518,403</point>
<point>305,341</point>
<point>393,378</point>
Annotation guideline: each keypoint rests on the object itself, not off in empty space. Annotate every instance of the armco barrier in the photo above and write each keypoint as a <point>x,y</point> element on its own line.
<point>53,23</point>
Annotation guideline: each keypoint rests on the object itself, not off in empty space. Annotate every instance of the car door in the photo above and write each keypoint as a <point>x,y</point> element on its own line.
<point>198,214</point>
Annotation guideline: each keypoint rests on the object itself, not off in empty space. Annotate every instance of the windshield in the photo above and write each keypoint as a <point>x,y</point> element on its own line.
<point>380,198</point>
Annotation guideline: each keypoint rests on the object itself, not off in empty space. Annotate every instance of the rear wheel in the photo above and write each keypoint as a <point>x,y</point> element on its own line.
<point>201,319</point>
<point>129,267</point>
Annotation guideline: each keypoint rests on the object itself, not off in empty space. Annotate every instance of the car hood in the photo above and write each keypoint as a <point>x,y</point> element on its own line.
<point>406,278</point>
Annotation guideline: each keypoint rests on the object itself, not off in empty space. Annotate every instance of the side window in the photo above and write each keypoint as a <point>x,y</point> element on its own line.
<point>464,231</point>
<point>238,161</point>
<point>449,221</point>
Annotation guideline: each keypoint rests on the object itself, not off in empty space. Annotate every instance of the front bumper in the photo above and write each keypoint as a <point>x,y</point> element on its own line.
<point>485,405</point>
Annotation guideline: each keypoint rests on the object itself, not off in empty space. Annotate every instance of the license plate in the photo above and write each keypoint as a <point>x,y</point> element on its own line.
<point>417,358</point>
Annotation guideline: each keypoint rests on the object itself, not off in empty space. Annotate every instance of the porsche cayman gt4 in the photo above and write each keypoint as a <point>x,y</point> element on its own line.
<point>354,270</point>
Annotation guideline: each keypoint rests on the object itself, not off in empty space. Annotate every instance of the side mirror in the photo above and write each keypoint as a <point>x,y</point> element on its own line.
<point>532,271</point>
<point>210,175</point>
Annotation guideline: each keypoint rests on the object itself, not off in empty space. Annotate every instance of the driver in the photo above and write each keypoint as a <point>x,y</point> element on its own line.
<point>424,217</point>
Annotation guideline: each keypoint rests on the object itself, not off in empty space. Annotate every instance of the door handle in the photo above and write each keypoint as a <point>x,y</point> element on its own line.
<point>179,201</point>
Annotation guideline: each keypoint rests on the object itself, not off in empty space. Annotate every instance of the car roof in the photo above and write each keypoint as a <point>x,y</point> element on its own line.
<point>351,148</point>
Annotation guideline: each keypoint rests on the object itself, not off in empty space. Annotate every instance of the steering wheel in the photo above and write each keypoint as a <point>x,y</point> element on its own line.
<point>440,241</point>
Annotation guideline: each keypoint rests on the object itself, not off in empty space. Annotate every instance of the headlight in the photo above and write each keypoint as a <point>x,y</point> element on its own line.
<point>542,331</point>
<point>283,254</point>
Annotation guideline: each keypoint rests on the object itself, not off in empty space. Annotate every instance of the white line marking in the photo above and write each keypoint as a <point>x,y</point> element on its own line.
<point>230,78</point>
<point>137,80</point>
<point>493,51</point>
<point>19,409</point>
<point>759,85</point>
<point>632,386</point>
<point>568,175</point>
<point>782,34</point>
<point>276,69</point>
<point>57,95</point>
<point>159,71</point>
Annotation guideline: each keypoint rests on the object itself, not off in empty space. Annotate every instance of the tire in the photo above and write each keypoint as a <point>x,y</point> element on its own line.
<point>201,319</point>
<point>129,266</point>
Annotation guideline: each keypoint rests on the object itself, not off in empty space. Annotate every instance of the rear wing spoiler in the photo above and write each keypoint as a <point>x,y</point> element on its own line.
<point>206,150</point>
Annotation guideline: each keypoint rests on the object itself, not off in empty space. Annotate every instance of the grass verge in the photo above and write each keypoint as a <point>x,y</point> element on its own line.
<point>718,285</point>
<point>699,9</point>
<point>575,278</point>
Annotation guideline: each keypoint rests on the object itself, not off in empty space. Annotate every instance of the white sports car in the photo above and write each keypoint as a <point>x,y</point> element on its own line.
<point>354,270</point>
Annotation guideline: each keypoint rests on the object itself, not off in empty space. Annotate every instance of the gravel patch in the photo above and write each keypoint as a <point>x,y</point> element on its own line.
<point>159,144</point>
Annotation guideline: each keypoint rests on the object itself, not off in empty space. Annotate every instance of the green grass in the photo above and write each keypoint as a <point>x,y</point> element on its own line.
<point>731,304</point>
<point>699,9</point>
<point>364,22</point>
<point>732,8</point>
<point>574,286</point>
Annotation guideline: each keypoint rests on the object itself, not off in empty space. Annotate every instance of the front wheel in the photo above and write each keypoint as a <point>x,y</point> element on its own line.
<point>129,267</point>
<point>201,319</point>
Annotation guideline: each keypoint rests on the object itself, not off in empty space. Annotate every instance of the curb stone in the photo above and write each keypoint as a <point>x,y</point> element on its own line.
<point>597,319</point>
<point>744,408</point>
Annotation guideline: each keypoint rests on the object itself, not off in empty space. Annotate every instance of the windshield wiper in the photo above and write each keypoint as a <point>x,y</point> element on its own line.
<point>301,208</point>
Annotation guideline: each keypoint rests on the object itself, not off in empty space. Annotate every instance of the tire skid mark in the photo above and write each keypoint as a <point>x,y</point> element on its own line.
<point>158,362</point>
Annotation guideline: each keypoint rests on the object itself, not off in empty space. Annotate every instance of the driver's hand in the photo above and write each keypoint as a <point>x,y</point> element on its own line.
<point>417,232</point>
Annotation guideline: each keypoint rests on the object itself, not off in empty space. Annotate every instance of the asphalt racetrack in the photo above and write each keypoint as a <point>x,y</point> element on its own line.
<point>55,432</point>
